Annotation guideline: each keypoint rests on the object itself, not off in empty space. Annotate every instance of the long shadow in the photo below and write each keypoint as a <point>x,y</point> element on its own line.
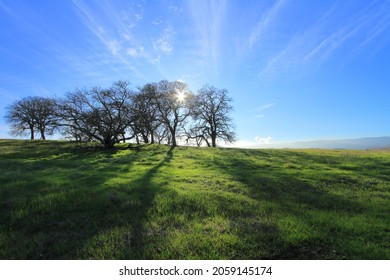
<point>373,166</point>
<point>41,198</point>
<point>294,198</point>
<point>62,208</point>
<point>137,246</point>
<point>89,217</point>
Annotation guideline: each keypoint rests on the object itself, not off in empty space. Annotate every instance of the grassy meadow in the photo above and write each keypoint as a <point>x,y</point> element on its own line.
<point>63,200</point>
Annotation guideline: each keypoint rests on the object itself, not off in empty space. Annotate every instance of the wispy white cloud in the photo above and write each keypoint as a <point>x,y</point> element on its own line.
<point>114,46</point>
<point>138,17</point>
<point>92,21</point>
<point>325,38</point>
<point>157,21</point>
<point>264,107</point>
<point>263,140</point>
<point>208,19</point>
<point>257,142</point>
<point>52,48</point>
<point>260,110</point>
<point>116,30</point>
<point>7,10</point>
<point>240,144</point>
<point>266,21</point>
<point>164,43</point>
<point>137,52</point>
<point>176,9</point>
<point>380,22</point>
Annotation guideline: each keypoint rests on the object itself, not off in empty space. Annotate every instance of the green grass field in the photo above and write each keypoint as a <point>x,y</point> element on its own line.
<point>61,200</point>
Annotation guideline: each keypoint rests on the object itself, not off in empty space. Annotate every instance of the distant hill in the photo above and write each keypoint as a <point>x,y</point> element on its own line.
<point>352,144</point>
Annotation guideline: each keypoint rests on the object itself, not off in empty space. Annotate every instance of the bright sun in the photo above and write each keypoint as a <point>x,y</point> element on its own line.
<point>180,96</point>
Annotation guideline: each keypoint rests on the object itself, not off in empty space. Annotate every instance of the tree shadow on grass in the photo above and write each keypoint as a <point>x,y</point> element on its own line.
<point>69,207</point>
<point>307,222</point>
<point>136,245</point>
<point>92,204</point>
<point>368,164</point>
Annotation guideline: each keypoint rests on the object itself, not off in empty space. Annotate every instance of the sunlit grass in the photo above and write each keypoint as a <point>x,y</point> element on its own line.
<point>62,200</point>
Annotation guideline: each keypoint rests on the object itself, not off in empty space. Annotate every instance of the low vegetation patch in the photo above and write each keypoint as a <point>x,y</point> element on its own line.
<point>63,200</point>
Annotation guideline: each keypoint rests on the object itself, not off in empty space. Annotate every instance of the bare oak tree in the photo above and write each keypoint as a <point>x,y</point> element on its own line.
<point>100,114</point>
<point>46,121</point>
<point>172,102</point>
<point>157,112</point>
<point>32,114</point>
<point>210,111</point>
<point>145,113</point>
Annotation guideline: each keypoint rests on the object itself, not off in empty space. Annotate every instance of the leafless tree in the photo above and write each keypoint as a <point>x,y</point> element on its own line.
<point>32,114</point>
<point>46,121</point>
<point>210,111</point>
<point>100,114</point>
<point>145,113</point>
<point>172,102</point>
<point>157,112</point>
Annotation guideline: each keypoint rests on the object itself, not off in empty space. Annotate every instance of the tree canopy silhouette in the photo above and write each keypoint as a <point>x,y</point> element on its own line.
<point>32,115</point>
<point>164,112</point>
<point>211,113</point>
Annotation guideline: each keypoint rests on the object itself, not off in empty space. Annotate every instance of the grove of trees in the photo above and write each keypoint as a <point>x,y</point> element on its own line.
<point>31,115</point>
<point>163,112</point>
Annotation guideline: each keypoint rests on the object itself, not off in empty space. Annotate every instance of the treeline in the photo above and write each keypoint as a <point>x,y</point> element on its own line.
<point>163,112</point>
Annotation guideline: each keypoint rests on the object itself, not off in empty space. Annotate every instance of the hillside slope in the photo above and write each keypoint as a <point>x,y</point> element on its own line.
<point>60,200</point>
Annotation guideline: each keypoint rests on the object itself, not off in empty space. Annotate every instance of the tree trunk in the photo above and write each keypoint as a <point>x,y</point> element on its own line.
<point>43,137</point>
<point>108,142</point>
<point>145,138</point>
<point>214,140</point>
<point>151,137</point>
<point>32,132</point>
<point>173,134</point>
<point>174,144</point>
<point>207,142</point>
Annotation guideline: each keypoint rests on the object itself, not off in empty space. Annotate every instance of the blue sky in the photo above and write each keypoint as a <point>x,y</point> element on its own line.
<point>296,69</point>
